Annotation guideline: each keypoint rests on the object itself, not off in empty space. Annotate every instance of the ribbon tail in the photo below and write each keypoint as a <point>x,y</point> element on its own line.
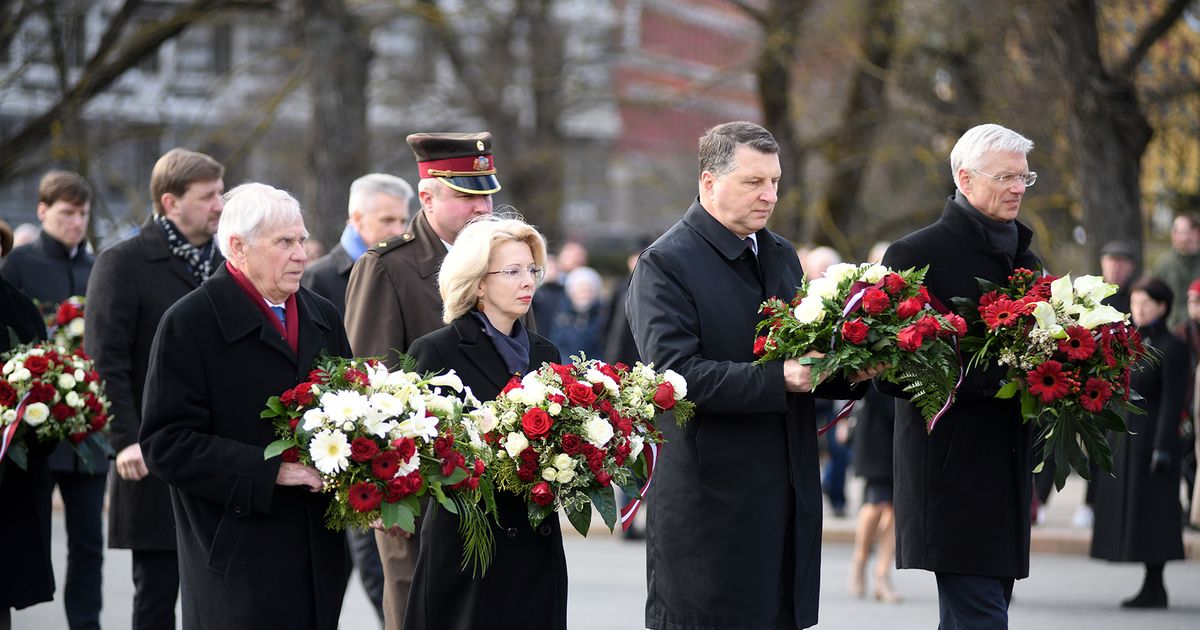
<point>953,390</point>
<point>9,433</point>
<point>631,509</point>
<point>846,409</point>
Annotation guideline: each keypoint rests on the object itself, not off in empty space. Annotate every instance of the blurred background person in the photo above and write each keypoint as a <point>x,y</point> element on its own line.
<point>1138,517</point>
<point>578,325</point>
<point>874,426</point>
<point>25,234</point>
<point>1118,265</point>
<point>314,249</point>
<point>1181,264</point>
<point>1189,332</point>
<point>552,294</point>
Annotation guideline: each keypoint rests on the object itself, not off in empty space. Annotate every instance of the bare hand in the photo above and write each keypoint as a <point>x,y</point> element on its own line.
<point>392,531</point>
<point>130,465</point>
<point>868,374</point>
<point>799,378</point>
<point>292,474</point>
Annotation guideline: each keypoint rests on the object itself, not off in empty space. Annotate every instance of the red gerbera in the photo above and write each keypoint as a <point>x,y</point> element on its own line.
<point>1079,344</point>
<point>1048,381</point>
<point>1002,312</point>
<point>365,496</point>
<point>1096,393</point>
<point>385,465</point>
<point>760,346</point>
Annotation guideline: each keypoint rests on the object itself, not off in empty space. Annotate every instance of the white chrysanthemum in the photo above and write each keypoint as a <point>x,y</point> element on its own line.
<point>874,273</point>
<point>564,476</point>
<point>449,379</point>
<point>677,382</point>
<point>330,451</point>
<point>823,287</point>
<point>314,419</point>
<point>554,409</point>
<point>598,431</point>
<point>36,413</point>
<point>66,381</point>
<point>387,404</point>
<point>422,426</point>
<point>409,466</point>
<point>74,400</point>
<point>514,443</point>
<point>341,406</point>
<point>810,310</point>
<point>841,271</point>
<point>562,461</point>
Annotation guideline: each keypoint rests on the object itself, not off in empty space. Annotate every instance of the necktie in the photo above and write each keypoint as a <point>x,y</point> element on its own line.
<point>278,310</point>
<point>750,244</point>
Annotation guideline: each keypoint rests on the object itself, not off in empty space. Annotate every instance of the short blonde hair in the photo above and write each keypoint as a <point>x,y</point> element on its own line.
<point>466,265</point>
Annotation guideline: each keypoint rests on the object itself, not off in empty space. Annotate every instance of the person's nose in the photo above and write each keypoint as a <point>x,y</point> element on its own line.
<point>771,194</point>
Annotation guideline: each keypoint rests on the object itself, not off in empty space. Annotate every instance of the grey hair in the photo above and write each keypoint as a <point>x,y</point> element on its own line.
<point>719,143</point>
<point>982,139</point>
<point>252,207</point>
<point>364,189</point>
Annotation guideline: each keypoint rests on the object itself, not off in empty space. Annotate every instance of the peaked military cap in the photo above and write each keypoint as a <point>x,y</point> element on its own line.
<point>462,161</point>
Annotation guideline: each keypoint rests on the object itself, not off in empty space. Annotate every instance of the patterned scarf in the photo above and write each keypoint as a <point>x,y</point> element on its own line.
<point>199,259</point>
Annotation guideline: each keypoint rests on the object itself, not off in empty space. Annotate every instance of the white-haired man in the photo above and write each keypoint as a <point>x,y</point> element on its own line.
<point>962,493</point>
<point>254,551</point>
<point>378,210</point>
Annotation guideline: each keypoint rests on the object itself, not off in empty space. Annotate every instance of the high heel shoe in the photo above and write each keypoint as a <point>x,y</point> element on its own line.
<point>858,578</point>
<point>884,592</point>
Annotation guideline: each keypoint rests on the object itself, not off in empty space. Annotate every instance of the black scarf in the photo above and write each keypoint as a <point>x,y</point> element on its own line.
<point>514,348</point>
<point>1001,235</point>
<point>199,259</point>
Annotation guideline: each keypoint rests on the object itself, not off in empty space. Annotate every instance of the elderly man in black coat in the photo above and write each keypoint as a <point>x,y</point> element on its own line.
<point>734,516</point>
<point>962,492</point>
<point>254,551</point>
<point>133,284</point>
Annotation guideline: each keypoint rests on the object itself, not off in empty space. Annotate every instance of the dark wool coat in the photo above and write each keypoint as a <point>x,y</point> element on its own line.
<point>962,493</point>
<point>251,554</point>
<point>874,430</point>
<point>734,513</point>
<point>46,271</point>
<point>525,587</point>
<point>329,275</point>
<point>1138,516</point>
<point>134,282</point>
<point>28,577</point>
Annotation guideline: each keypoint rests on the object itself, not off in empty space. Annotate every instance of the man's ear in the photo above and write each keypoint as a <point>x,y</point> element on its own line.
<point>42,209</point>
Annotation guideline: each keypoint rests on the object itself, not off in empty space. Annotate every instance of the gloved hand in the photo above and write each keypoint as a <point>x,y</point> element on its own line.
<point>1160,462</point>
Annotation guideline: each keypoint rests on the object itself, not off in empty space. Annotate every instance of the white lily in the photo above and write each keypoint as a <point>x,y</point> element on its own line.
<point>1060,291</point>
<point>1047,319</point>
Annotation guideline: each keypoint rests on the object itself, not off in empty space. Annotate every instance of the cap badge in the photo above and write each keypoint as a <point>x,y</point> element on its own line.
<point>481,164</point>
<point>479,144</point>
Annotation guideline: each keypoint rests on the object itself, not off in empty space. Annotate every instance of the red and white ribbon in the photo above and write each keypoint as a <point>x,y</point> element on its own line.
<point>631,509</point>
<point>10,431</point>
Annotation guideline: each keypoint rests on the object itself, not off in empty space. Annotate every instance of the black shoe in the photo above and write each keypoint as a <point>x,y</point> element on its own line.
<point>1147,599</point>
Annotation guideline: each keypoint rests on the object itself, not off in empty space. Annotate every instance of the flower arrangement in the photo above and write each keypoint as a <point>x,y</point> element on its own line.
<point>564,435</point>
<point>53,394</point>
<point>863,315</point>
<point>1068,356</point>
<point>382,440</point>
<point>66,324</point>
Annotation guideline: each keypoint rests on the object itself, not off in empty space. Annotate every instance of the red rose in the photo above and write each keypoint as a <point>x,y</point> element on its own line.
<point>61,412</point>
<point>40,392</point>
<point>479,467</point>
<point>558,399</point>
<point>855,331</point>
<point>598,388</point>
<point>288,398</point>
<point>291,455</point>
<point>98,421</point>
<point>67,311</point>
<point>385,465</point>
<point>923,293</point>
<point>365,496</point>
<point>621,367</point>
<point>317,376</point>
<point>760,346</point>
<point>76,438</point>
<point>908,308</point>
<point>355,377</point>
<point>529,456</point>
<point>513,383</point>
<point>542,494</point>
<point>893,283</point>
<point>293,423</point>
<point>603,478</point>
<point>413,482</point>
<point>536,423</point>
<point>580,394</point>
<point>405,448</point>
<point>960,324</point>
<point>664,396</point>
<point>8,395</point>
<point>527,473</point>
<point>303,394</point>
<point>875,301</point>
<point>92,403</point>
<point>363,449</point>
<point>571,444</point>
<point>909,339</point>
<point>563,371</point>
<point>928,326</point>
<point>403,486</point>
<point>37,365</point>
<point>608,371</point>
<point>624,426</point>
<point>91,376</point>
<point>443,445</point>
<point>604,405</point>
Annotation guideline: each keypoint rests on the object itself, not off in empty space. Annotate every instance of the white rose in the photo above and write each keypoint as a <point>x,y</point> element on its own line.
<point>810,310</point>
<point>37,352</point>
<point>9,366</point>
<point>636,442</point>
<point>314,419</point>
<point>562,461</point>
<point>73,400</point>
<point>533,393</point>
<point>75,328</point>
<point>598,431</point>
<point>549,474</point>
<point>677,381</point>
<point>80,375</point>
<point>94,387</point>
<point>823,287</point>
<point>36,414</point>
<point>8,417</point>
<point>841,271</point>
<point>645,371</point>
<point>875,273</point>
<point>66,381</point>
<point>515,443</point>
<point>564,476</point>
<point>450,379</point>
<point>20,374</point>
<point>554,409</point>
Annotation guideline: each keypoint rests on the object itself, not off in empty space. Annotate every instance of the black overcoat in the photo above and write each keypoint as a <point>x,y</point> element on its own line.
<point>874,432</point>
<point>251,554</point>
<point>28,576</point>
<point>525,587</point>
<point>734,512</point>
<point>48,272</point>
<point>133,283</point>
<point>962,493</point>
<point>1138,516</point>
<point>329,275</point>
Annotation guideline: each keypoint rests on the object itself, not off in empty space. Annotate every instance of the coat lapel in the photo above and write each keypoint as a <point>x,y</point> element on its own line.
<point>237,316</point>
<point>479,350</point>
<point>313,328</point>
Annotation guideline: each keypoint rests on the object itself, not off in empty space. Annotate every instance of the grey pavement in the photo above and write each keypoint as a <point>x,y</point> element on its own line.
<point>607,586</point>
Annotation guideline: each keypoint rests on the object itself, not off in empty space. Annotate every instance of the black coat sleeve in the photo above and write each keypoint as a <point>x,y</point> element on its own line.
<point>111,321</point>
<point>1171,396</point>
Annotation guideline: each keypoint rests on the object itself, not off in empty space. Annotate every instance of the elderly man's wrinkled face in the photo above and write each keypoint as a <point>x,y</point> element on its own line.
<point>65,221</point>
<point>274,260</point>
<point>1116,270</point>
<point>999,201</point>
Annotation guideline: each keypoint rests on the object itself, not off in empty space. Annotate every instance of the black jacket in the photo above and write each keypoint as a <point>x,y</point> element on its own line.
<point>526,586</point>
<point>251,554</point>
<point>1138,517</point>
<point>133,283</point>
<point>329,275</point>
<point>734,533</point>
<point>46,271</point>
<point>962,493</point>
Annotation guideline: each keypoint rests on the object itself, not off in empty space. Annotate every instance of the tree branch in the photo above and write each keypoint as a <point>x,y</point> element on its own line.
<point>1152,34</point>
<point>756,14</point>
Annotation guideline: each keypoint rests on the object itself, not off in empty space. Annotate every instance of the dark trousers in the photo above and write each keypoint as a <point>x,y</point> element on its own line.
<point>156,587</point>
<point>833,477</point>
<point>365,553</point>
<point>83,500</point>
<point>973,602</point>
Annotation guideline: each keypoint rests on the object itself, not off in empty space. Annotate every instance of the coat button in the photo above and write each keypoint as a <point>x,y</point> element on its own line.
<point>512,532</point>
<point>237,509</point>
<point>544,529</point>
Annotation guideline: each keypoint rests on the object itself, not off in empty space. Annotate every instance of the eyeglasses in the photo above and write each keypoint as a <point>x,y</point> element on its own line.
<point>1027,178</point>
<point>516,273</point>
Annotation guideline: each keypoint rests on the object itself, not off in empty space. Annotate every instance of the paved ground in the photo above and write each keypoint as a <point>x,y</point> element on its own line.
<point>607,586</point>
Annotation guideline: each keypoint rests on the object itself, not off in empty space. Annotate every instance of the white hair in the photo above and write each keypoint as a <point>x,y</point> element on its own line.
<point>584,275</point>
<point>983,139</point>
<point>364,189</point>
<point>251,208</point>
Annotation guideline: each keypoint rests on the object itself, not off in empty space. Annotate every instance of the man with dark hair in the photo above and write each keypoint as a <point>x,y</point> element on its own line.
<point>134,283</point>
<point>734,525</point>
<point>51,269</point>
<point>1181,264</point>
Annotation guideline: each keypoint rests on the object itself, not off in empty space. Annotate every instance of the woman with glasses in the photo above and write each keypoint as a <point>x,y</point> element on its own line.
<point>487,282</point>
